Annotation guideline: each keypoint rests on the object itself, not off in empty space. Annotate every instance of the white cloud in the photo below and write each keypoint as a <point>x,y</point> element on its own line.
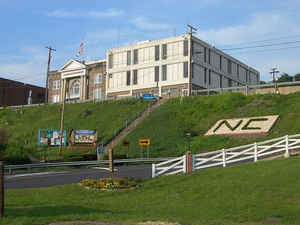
<point>260,26</point>
<point>143,23</point>
<point>92,14</point>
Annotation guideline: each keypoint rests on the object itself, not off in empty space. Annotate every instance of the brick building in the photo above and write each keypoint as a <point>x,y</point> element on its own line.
<point>81,80</point>
<point>17,93</point>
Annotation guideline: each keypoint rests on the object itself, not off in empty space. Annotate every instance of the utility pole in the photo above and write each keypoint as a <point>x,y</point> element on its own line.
<point>192,29</point>
<point>273,72</point>
<point>50,49</point>
<point>65,87</point>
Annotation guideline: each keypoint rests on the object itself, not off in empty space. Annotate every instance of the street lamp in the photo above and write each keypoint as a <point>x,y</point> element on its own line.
<point>274,71</point>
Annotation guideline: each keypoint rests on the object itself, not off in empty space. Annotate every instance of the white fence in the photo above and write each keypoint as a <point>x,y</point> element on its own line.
<point>246,153</point>
<point>173,166</point>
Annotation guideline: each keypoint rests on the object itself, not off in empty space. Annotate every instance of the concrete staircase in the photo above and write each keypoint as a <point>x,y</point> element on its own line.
<point>116,140</point>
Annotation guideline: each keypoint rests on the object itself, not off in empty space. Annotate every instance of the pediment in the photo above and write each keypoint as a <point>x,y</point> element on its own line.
<point>72,65</point>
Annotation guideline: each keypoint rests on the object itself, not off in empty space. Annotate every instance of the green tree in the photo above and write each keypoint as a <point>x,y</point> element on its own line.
<point>285,78</point>
<point>262,82</point>
<point>297,77</point>
<point>3,140</point>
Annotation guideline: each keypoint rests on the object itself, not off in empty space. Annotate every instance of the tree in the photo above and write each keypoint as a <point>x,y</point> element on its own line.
<point>3,140</point>
<point>297,77</point>
<point>285,78</point>
<point>262,82</point>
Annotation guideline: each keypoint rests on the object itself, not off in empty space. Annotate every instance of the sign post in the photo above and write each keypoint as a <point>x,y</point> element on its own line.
<point>126,144</point>
<point>144,142</point>
<point>1,189</point>
<point>111,163</point>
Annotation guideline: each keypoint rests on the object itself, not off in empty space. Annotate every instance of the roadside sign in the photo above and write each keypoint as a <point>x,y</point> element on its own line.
<point>144,141</point>
<point>101,150</point>
<point>125,143</point>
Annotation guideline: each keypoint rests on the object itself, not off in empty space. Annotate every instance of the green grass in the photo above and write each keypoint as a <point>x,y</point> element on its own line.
<point>22,124</point>
<point>239,195</point>
<point>167,126</point>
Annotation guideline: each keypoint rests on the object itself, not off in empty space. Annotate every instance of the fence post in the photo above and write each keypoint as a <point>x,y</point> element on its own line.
<point>184,163</point>
<point>286,154</point>
<point>1,189</point>
<point>224,157</point>
<point>188,159</point>
<point>246,90</point>
<point>153,170</point>
<point>255,152</point>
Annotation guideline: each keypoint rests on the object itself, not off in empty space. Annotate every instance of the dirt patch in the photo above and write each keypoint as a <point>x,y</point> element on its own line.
<point>273,220</point>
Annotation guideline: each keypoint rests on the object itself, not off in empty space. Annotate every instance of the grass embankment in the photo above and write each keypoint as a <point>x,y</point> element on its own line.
<point>168,125</point>
<point>22,125</point>
<point>248,194</point>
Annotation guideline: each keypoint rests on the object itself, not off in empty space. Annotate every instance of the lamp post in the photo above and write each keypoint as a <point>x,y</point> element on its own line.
<point>274,71</point>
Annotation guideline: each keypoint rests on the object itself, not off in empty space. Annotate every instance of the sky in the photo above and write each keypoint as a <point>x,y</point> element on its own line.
<point>27,27</point>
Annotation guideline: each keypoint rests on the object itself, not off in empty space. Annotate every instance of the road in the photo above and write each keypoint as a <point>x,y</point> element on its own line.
<point>52,178</point>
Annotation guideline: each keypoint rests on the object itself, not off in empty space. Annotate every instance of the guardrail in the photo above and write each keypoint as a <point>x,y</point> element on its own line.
<point>81,163</point>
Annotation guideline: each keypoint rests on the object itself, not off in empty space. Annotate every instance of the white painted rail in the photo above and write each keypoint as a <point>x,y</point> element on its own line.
<point>173,166</point>
<point>246,153</point>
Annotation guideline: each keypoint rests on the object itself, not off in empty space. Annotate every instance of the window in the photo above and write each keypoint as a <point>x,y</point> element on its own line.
<point>209,56</point>
<point>185,69</point>
<point>128,58</point>
<point>75,89</point>
<point>238,71</point>
<point>209,77</point>
<point>110,75</point>
<point>205,75</point>
<point>230,83</point>
<point>97,93</point>
<point>55,98</point>
<point>135,77</point>
<point>164,51</point>
<point>135,56</point>
<point>156,52</point>
<point>110,61</point>
<point>221,81</point>
<point>164,72</point>
<point>98,79</point>
<point>185,48</point>
<point>56,84</point>
<point>220,62</point>
<point>229,69</point>
<point>128,78</point>
<point>156,74</point>
<point>205,53</point>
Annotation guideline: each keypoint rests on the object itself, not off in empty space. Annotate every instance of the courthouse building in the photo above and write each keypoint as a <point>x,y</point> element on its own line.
<point>81,80</point>
<point>172,66</point>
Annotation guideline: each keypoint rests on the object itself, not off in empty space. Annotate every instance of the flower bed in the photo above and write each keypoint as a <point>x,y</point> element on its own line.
<point>110,184</point>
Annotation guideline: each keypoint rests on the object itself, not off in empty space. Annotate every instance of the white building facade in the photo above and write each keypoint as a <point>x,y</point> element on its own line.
<point>172,67</point>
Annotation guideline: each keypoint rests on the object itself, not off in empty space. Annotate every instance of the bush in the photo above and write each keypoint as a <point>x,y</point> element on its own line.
<point>109,183</point>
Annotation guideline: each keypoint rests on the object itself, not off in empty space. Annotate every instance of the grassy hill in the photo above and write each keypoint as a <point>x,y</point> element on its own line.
<point>22,125</point>
<point>168,125</point>
<point>248,194</point>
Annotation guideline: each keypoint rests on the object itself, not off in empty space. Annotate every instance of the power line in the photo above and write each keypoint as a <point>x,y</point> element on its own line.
<point>265,40</point>
<point>261,46</point>
<point>270,50</point>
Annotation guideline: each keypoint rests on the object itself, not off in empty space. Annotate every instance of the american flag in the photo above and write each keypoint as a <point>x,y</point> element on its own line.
<point>80,50</point>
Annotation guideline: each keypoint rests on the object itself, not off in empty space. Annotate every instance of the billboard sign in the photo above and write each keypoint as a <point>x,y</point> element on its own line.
<point>51,137</point>
<point>84,136</point>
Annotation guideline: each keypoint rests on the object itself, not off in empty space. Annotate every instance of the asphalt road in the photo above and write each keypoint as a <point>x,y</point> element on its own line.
<point>52,178</point>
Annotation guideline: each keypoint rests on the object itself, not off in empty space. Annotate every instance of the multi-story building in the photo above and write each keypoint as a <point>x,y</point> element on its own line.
<point>78,80</point>
<point>176,66</point>
<point>17,93</point>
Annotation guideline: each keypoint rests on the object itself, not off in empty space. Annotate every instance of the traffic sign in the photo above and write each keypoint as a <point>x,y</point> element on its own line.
<point>144,141</point>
